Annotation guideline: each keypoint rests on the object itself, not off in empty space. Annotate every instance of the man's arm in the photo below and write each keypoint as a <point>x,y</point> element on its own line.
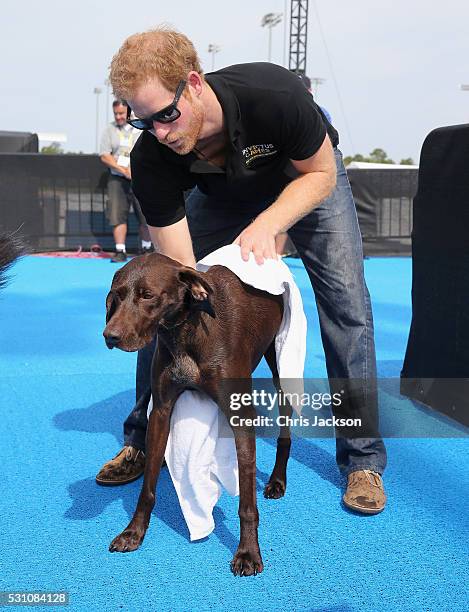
<point>316,182</point>
<point>109,161</point>
<point>174,241</point>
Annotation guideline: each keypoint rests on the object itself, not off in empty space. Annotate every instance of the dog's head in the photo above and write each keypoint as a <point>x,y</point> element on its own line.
<point>148,292</point>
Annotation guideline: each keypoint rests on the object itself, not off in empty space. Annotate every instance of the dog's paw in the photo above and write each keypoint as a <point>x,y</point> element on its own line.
<point>246,563</point>
<point>127,541</point>
<point>275,489</point>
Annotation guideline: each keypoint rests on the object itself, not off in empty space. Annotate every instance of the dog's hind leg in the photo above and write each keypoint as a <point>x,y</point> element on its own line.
<point>277,484</point>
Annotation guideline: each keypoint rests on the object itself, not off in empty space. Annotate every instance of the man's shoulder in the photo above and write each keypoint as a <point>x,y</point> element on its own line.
<point>256,75</point>
<point>110,128</point>
<point>263,93</point>
<point>260,88</point>
<point>252,69</point>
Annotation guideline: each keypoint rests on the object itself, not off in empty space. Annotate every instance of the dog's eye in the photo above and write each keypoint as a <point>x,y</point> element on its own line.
<point>146,295</point>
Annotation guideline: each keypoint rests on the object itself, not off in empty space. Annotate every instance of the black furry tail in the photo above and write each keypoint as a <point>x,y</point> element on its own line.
<point>11,247</point>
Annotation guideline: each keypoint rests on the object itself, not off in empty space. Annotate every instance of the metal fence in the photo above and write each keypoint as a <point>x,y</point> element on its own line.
<point>58,201</point>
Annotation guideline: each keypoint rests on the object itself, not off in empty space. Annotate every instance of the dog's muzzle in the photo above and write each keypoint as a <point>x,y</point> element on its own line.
<point>112,340</point>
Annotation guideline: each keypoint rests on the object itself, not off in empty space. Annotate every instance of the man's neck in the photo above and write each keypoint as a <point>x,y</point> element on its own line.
<point>213,126</point>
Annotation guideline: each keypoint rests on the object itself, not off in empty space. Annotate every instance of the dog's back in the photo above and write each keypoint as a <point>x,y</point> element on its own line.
<point>247,319</point>
<point>11,247</point>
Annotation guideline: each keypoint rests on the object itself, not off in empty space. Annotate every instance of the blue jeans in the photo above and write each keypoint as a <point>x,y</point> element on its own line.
<point>329,243</point>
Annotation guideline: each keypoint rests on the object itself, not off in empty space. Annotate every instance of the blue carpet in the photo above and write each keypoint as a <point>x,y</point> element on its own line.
<point>64,397</point>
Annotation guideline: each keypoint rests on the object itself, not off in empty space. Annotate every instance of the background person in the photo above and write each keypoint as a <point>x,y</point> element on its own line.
<point>117,142</point>
<point>307,83</point>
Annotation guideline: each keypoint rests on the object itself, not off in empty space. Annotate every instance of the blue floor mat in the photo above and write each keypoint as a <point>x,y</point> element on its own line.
<point>64,397</point>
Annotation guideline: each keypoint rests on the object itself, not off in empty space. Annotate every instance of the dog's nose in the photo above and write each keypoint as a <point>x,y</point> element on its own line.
<point>112,340</point>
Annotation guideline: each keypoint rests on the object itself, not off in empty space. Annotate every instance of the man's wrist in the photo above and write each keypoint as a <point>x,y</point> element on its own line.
<point>269,221</point>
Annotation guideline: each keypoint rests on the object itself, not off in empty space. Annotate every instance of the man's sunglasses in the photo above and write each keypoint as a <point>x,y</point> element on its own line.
<point>166,115</point>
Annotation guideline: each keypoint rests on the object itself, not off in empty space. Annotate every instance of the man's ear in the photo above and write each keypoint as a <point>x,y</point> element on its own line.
<point>199,289</point>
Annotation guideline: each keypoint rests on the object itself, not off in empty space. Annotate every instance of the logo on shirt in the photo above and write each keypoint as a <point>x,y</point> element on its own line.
<point>254,152</point>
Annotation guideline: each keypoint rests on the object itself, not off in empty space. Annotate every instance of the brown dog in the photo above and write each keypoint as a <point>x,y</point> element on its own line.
<point>210,327</point>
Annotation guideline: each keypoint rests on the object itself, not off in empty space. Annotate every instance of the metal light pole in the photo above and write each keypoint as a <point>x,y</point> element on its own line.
<point>213,50</point>
<point>270,21</point>
<point>97,91</point>
<point>316,81</point>
<point>107,82</point>
<point>285,23</point>
<point>464,87</point>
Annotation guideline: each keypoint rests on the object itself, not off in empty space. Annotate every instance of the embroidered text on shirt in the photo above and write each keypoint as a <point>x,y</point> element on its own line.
<point>255,151</point>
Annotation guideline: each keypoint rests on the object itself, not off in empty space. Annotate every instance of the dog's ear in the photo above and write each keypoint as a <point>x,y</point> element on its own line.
<point>110,306</point>
<point>199,290</point>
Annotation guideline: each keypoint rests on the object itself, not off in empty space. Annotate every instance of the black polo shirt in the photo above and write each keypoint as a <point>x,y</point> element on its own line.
<point>270,118</point>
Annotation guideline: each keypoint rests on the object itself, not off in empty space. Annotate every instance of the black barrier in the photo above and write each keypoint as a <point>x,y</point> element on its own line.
<point>384,206</point>
<point>58,201</point>
<point>436,365</point>
<point>18,142</point>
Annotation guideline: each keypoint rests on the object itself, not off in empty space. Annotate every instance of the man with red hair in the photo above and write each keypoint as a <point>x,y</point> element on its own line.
<point>260,159</point>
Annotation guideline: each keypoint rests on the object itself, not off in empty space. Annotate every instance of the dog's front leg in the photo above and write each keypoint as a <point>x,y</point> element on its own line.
<point>157,437</point>
<point>247,560</point>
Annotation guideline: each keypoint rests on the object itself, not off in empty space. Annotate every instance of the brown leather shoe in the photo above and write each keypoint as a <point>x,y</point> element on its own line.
<point>365,492</point>
<point>127,466</point>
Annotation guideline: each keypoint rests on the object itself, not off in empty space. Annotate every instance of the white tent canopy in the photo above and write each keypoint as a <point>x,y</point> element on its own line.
<point>48,137</point>
<point>370,166</point>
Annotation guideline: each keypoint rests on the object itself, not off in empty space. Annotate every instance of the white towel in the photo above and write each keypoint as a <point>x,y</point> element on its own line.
<point>201,463</point>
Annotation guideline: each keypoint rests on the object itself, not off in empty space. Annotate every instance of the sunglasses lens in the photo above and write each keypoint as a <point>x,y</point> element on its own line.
<point>168,115</point>
<point>140,124</point>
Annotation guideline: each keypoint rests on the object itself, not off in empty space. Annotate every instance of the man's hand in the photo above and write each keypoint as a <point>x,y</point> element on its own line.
<point>125,171</point>
<point>109,161</point>
<point>258,238</point>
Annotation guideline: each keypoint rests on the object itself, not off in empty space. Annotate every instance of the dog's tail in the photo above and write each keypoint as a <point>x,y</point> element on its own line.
<point>11,248</point>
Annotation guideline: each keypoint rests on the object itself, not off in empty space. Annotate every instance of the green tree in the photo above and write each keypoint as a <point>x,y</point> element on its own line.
<point>358,157</point>
<point>53,149</point>
<point>379,156</point>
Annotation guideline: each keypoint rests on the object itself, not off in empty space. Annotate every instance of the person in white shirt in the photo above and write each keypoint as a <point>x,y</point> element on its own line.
<point>116,143</point>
